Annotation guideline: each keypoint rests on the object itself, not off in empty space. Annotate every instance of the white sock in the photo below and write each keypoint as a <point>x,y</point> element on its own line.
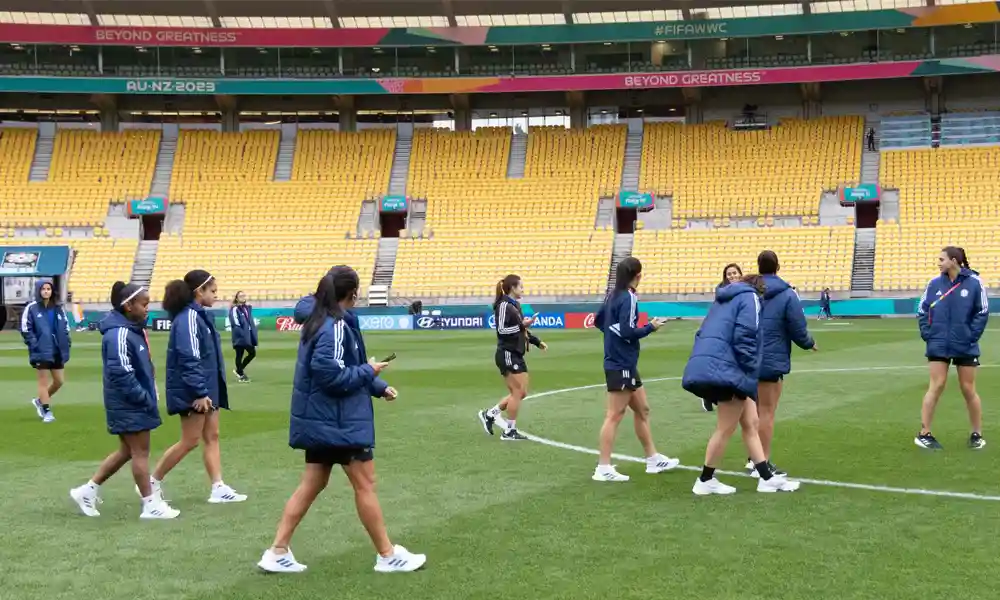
<point>217,484</point>
<point>511,426</point>
<point>604,468</point>
<point>494,412</point>
<point>153,479</point>
<point>149,499</point>
<point>95,487</point>
<point>653,458</point>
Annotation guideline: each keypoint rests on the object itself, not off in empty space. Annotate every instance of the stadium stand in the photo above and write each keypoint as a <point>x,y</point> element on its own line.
<point>89,170</point>
<point>713,172</point>
<point>272,240</point>
<point>947,197</point>
<point>905,131</point>
<point>966,129</point>
<point>486,226</point>
<point>691,261</point>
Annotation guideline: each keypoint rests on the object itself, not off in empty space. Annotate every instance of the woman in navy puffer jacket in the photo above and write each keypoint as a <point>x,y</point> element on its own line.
<point>723,371</point>
<point>333,420</point>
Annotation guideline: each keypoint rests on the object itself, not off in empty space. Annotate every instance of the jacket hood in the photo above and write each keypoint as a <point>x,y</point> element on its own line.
<point>38,291</point>
<point>115,319</point>
<point>774,286</point>
<point>304,308</point>
<point>727,293</point>
<point>969,273</point>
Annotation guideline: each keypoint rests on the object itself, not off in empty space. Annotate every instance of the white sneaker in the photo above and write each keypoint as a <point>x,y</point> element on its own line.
<point>155,487</point>
<point>158,509</point>
<point>87,499</point>
<point>223,494</point>
<point>608,473</point>
<point>280,563</point>
<point>710,487</point>
<point>659,463</point>
<point>38,407</point>
<point>401,561</point>
<point>751,470</point>
<point>48,417</point>
<point>777,483</point>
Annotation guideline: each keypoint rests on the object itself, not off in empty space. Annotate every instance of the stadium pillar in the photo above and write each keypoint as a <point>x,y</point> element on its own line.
<point>348,113</point>
<point>694,110</point>
<point>934,94</point>
<point>462,111</point>
<point>108,105</point>
<point>577,110</point>
<point>812,105</point>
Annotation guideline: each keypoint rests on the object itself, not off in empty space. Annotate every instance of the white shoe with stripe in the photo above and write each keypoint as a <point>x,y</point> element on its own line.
<point>711,487</point>
<point>158,509</point>
<point>280,563</point>
<point>659,463</point>
<point>87,499</point>
<point>401,561</point>
<point>608,473</point>
<point>223,494</point>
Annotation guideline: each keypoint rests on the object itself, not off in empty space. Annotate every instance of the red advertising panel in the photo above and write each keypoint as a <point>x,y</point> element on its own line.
<point>586,320</point>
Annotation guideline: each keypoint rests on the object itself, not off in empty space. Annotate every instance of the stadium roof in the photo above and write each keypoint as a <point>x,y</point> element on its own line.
<point>411,13</point>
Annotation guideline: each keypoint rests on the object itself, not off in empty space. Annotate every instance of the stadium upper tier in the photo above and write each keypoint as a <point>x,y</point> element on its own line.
<point>947,197</point>
<point>712,171</point>
<point>88,171</point>
<point>690,262</point>
<point>273,239</point>
<point>486,225</point>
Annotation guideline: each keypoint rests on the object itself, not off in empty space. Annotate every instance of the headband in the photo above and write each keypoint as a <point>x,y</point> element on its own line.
<point>204,283</point>
<point>131,296</point>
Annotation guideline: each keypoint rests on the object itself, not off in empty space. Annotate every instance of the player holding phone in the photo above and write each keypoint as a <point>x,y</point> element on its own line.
<point>618,319</point>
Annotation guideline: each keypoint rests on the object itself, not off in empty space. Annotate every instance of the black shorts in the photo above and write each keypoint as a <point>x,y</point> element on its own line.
<point>717,395</point>
<point>510,363</point>
<point>338,455</point>
<point>771,379</point>
<point>48,366</point>
<point>958,361</point>
<point>622,380</point>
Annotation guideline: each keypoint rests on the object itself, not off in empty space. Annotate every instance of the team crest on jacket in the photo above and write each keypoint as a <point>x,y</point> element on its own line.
<point>964,293</point>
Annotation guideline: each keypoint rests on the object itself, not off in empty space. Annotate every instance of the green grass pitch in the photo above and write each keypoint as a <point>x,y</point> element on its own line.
<point>521,520</point>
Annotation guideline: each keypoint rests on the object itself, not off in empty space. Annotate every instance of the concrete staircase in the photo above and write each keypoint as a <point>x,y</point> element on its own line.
<point>863,271</point>
<point>385,261</point>
<point>622,249</point>
<point>400,163</point>
<point>160,187</point>
<point>518,155</point>
<point>145,260</point>
<point>633,161</point>
<point>42,160</point>
<point>870,161</point>
<point>286,156</point>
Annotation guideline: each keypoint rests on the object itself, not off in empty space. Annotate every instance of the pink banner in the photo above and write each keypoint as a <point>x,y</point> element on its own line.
<point>188,36</point>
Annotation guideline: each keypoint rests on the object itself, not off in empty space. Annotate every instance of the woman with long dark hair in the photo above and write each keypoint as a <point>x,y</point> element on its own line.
<point>45,330</point>
<point>731,273</point>
<point>618,320</point>
<point>722,371</point>
<point>952,315</point>
<point>196,380</point>
<point>334,422</point>
<point>513,340</point>
<point>129,402</point>
<point>244,333</point>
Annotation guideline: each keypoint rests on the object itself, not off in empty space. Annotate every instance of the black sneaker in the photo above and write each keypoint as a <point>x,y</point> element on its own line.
<point>512,435</point>
<point>976,441</point>
<point>927,441</point>
<point>707,406</point>
<point>775,471</point>
<point>245,378</point>
<point>487,421</point>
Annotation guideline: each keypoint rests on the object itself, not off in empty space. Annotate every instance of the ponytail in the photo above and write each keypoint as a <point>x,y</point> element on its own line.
<point>628,269</point>
<point>958,255</point>
<point>504,286</point>
<point>122,294</point>
<point>176,296</point>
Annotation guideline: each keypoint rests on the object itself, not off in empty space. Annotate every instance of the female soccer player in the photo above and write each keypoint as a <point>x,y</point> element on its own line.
<point>782,322</point>
<point>244,332</point>
<point>953,314</point>
<point>513,338</point>
<point>824,304</point>
<point>723,370</point>
<point>129,402</point>
<point>196,380</point>
<point>618,320</point>
<point>45,330</point>
<point>334,422</point>
<point>731,274</point>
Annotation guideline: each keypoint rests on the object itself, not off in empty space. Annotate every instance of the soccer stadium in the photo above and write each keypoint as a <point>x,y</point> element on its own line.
<point>435,147</point>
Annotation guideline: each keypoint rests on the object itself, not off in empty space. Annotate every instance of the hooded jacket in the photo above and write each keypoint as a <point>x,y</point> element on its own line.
<point>953,315</point>
<point>727,347</point>
<point>129,376</point>
<point>242,326</point>
<point>333,386</point>
<point>195,368</point>
<point>45,329</point>
<point>782,322</point>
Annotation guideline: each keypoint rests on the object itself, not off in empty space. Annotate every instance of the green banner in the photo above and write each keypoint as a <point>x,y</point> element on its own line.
<point>635,200</point>
<point>394,204</point>
<point>149,206</point>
